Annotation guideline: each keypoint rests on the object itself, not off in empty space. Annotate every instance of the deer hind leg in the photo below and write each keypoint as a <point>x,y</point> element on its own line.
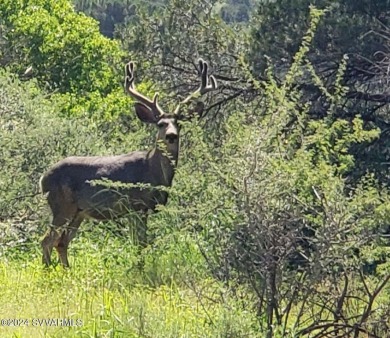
<point>47,245</point>
<point>52,237</point>
<point>63,210</point>
<point>67,235</point>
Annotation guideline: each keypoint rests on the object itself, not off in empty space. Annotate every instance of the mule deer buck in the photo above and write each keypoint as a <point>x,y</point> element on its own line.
<point>70,185</point>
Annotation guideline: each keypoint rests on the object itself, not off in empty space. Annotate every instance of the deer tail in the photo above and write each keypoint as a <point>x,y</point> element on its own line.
<point>45,183</point>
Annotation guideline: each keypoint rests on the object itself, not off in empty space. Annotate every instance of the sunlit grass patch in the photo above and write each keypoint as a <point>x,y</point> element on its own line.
<point>106,294</point>
<point>104,307</point>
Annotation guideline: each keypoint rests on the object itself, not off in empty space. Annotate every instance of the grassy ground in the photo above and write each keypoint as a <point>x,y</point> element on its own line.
<point>106,295</point>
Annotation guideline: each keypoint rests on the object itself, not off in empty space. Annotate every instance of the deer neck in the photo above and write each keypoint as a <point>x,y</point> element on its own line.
<point>163,160</point>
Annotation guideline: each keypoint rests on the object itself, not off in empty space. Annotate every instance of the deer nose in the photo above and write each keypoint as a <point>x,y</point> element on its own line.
<point>171,137</point>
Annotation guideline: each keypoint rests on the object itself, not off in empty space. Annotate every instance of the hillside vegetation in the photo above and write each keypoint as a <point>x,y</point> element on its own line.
<point>277,223</point>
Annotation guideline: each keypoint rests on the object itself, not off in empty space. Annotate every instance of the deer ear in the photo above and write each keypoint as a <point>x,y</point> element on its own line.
<point>144,113</point>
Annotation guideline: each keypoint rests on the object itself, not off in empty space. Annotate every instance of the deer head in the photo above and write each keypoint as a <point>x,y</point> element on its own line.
<point>149,111</point>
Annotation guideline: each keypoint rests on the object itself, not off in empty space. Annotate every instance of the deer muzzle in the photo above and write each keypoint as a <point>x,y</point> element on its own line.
<point>171,138</point>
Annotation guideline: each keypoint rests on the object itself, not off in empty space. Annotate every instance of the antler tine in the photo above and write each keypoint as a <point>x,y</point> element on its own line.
<point>130,89</point>
<point>208,83</point>
<point>203,69</point>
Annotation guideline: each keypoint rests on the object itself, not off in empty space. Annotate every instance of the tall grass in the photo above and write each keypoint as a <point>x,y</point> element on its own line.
<point>107,295</point>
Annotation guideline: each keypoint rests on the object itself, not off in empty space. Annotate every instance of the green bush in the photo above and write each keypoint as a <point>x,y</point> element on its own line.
<point>64,48</point>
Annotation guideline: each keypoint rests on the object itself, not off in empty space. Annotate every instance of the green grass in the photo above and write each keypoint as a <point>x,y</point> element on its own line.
<point>110,296</point>
<point>107,294</point>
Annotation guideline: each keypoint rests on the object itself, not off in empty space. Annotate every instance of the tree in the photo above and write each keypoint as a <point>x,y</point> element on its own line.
<point>354,29</point>
<point>286,223</point>
<point>64,48</point>
<point>108,13</point>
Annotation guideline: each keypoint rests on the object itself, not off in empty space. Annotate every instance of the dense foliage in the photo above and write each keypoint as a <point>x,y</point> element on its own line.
<point>357,30</point>
<point>112,14</point>
<point>278,219</point>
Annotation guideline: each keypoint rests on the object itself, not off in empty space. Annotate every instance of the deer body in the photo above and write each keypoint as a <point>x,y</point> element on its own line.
<point>75,193</point>
<point>77,178</point>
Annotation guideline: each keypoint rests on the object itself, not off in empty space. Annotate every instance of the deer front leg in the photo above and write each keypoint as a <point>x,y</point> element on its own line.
<point>142,230</point>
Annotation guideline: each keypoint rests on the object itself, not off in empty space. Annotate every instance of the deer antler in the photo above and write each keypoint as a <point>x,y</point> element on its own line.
<point>208,83</point>
<point>130,89</point>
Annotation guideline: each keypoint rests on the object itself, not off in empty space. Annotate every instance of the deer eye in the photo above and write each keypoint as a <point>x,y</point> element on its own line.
<point>162,124</point>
